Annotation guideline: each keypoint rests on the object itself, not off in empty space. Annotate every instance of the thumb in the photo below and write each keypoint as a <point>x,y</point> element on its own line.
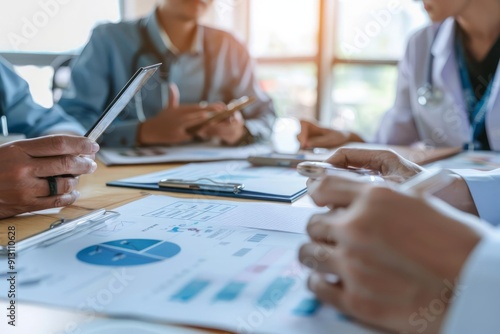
<point>303,136</point>
<point>173,96</point>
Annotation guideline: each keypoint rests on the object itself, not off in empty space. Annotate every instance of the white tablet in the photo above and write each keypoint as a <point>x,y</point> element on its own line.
<point>121,100</point>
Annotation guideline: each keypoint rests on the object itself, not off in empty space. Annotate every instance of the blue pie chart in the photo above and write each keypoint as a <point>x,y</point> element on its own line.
<point>128,252</point>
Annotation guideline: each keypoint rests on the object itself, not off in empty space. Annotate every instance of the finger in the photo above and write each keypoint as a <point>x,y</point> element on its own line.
<point>51,146</point>
<point>323,228</point>
<point>302,137</point>
<point>361,158</point>
<point>63,165</point>
<point>173,96</point>
<point>65,185</point>
<point>192,120</point>
<point>217,107</point>
<point>54,201</point>
<point>338,190</point>
<point>322,258</point>
<point>332,294</point>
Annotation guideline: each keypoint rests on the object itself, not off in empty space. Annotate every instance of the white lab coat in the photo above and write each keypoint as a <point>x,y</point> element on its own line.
<point>477,294</point>
<point>447,124</point>
<point>477,297</point>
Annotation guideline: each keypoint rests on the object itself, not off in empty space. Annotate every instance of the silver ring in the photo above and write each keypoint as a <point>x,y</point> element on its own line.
<point>52,185</point>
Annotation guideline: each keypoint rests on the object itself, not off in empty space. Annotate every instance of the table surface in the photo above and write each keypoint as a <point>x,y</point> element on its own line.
<point>94,195</point>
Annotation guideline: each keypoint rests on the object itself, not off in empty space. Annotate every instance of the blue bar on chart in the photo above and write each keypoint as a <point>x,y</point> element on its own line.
<point>275,292</point>
<point>257,238</point>
<point>242,252</point>
<point>190,290</point>
<point>231,291</point>
<point>307,307</point>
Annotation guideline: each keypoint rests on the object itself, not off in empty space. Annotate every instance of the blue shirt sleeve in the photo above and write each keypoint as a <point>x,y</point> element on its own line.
<point>24,115</point>
<point>96,77</point>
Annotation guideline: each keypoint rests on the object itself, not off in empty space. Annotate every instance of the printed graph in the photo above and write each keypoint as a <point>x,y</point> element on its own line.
<point>128,252</point>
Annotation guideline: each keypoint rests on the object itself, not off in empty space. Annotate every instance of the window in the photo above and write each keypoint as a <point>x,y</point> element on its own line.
<point>361,94</point>
<point>368,38</point>
<point>370,42</point>
<point>43,29</point>
<point>48,25</point>
<point>379,31</point>
<point>283,28</point>
<point>329,59</point>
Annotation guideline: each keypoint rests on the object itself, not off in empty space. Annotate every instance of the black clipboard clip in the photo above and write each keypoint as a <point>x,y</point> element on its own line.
<point>202,184</point>
<point>61,230</point>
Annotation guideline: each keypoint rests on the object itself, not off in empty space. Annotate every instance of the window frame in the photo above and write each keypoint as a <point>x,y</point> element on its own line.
<point>325,60</point>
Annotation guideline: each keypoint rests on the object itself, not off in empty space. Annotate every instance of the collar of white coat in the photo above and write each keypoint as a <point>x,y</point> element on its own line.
<point>445,39</point>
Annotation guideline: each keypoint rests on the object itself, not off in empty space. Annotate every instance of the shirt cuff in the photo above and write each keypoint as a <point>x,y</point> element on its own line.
<point>477,297</point>
<point>485,190</point>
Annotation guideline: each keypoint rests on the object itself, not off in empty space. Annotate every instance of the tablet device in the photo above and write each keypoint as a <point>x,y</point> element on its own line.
<point>121,100</point>
<point>232,107</point>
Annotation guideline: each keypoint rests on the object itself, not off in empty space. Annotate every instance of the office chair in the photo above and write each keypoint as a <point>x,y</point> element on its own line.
<point>62,75</point>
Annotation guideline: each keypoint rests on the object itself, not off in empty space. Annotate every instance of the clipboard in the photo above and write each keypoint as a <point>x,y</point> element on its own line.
<point>200,187</point>
<point>58,231</point>
<point>233,178</point>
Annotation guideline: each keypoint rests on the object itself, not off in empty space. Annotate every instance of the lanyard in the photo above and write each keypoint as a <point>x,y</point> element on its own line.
<point>476,109</point>
<point>148,47</point>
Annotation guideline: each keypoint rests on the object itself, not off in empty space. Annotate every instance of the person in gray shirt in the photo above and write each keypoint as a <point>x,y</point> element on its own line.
<point>203,69</point>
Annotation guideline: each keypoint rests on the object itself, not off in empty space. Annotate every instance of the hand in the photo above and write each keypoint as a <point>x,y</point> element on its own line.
<point>396,258</point>
<point>392,167</point>
<point>26,164</point>
<point>230,130</point>
<point>311,136</point>
<point>170,125</point>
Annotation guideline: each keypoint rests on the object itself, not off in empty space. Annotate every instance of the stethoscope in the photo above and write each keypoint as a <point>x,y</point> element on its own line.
<point>167,59</point>
<point>429,95</point>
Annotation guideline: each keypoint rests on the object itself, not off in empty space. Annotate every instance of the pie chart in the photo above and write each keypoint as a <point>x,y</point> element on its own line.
<point>128,252</point>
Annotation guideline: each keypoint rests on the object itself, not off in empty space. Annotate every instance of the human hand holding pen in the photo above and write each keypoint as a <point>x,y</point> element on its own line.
<point>35,173</point>
<point>171,124</point>
<point>392,252</point>
<point>395,168</point>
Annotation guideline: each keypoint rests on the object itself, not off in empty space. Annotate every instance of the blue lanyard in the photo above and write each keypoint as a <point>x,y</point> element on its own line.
<point>476,109</point>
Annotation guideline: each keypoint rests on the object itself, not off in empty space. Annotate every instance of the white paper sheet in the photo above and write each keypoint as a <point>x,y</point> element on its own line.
<point>182,153</point>
<point>174,260</point>
<point>480,160</point>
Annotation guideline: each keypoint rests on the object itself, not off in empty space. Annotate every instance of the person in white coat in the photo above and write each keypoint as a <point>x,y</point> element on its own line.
<point>402,262</point>
<point>448,85</point>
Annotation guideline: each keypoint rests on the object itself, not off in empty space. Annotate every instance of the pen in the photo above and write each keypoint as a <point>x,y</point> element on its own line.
<point>429,181</point>
<point>5,128</point>
<point>198,185</point>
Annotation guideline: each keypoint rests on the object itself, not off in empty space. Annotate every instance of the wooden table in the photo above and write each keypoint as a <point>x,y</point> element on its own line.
<point>94,195</point>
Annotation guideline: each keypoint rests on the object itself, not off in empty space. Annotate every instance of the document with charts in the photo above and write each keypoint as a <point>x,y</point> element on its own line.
<point>176,260</point>
<point>180,153</point>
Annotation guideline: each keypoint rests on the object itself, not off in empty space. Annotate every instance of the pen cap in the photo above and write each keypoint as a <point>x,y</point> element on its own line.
<point>11,137</point>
